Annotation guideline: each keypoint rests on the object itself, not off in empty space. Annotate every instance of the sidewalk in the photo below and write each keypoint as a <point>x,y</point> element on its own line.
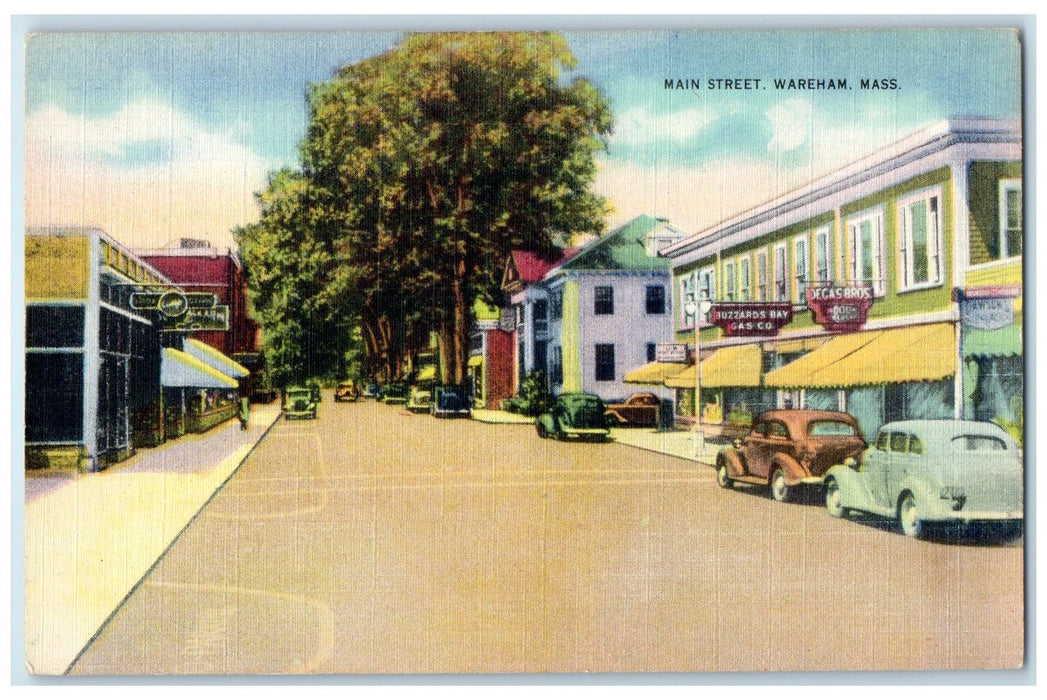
<point>678,443</point>
<point>90,538</point>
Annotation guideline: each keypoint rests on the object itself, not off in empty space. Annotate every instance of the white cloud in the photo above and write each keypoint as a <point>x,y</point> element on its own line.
<point>695,198</point>
<point>147,175</point>
<point>791,124</point>
<point>637,126</point>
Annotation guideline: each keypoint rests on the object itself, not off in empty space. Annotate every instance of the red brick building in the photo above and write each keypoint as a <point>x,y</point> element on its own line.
<point>197,267</point>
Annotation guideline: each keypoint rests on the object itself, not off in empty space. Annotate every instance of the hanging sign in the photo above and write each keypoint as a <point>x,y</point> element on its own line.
<point>670,352</point>
<point>840,308</point>
<point>744,318</point>
<point>987,314</point>
<point>214,319</point>
<point>173,303</point>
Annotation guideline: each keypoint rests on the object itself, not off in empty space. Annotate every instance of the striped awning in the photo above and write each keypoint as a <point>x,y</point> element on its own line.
<point>180,369</point>
<point>869,358</point>
<point>1001,342</point>
<point>215,358</point>
<point>736,366</point>
<point>653,373</point>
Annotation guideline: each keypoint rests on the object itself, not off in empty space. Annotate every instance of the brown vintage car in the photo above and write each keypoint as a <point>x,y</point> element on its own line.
<point>639,409</point>
<point>789,448</point>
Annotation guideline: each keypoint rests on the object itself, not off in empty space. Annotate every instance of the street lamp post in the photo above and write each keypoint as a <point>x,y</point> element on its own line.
<point>700,310</point>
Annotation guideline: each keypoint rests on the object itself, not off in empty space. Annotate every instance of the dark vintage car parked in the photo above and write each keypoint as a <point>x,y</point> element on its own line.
<point>640,409</point>
<point>932,472</point>
<point>299,403</point>
<point>394,393</point>
<point>371,391</point>
<point>575,415</point>
<point>449,400</point>
<point>788,448</point>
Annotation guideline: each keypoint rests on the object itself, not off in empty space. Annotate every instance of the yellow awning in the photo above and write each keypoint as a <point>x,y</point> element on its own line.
<point>914,354</point>
<point>653,373</point>
<point>426,374</point>
<point>799,345</point>
<point>737,366</point>
<point>215,358</point>
<point>180,369</point>
<point>476,360</point>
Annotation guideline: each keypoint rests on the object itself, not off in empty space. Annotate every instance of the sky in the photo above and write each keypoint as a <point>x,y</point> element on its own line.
<point>157,136</point>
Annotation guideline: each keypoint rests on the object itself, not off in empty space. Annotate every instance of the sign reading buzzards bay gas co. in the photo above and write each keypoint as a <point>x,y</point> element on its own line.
<point>745,318</point>
<point>840,308</point>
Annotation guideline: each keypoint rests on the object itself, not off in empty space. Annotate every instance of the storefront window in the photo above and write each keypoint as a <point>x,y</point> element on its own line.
<point>54,397</point>
<point>54,326</point>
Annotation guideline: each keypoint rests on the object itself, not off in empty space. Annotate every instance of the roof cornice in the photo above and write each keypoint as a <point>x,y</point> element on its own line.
<point>934,139</point>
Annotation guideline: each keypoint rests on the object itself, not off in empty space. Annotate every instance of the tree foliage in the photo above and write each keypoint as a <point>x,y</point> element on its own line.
<point>421,170</point>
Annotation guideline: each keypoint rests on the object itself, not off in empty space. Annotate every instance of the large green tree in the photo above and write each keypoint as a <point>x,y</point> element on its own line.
<point>298,281</point>
<point>436,159</point>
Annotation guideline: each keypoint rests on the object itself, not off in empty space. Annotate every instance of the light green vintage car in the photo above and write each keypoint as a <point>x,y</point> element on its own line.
<point>299,403</point>
<point>924,472</point>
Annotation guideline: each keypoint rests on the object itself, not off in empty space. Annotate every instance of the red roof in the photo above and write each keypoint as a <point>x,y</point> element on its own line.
<point>532,267</point>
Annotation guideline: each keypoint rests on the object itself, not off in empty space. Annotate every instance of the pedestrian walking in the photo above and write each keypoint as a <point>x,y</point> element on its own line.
<point>245,413</point>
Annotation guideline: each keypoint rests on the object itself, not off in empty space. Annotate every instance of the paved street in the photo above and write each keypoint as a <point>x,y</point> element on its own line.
<point>377,541</point>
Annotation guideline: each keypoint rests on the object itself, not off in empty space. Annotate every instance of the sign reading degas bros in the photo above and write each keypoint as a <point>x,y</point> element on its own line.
<point>750,318</point>
<point>840,308</point>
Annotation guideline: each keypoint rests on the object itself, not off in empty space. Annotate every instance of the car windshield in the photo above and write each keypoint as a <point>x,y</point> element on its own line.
<point>977,443</point>
<point>831,428</point>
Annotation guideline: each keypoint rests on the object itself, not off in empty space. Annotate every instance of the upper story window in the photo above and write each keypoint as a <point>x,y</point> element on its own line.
<point>707,284</point>
<point>687,294</point>
<point>556,304</point>
<point>800,261</point>
<point>730,281</point>
<point>920,240</point>
<point>866,235</point>
<point>762,279</point>
<point>781,273</point>
<point>1010,218</point>
<point>823,255</point>
<point>541,307</point>
<point>745,280</point>
<point>603,301</point>
<point>655,301</point>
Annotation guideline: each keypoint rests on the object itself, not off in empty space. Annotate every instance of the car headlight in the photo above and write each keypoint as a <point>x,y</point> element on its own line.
<point>954,493</point>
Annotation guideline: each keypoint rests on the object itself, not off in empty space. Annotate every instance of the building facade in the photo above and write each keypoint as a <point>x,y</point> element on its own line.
<point>197,267</point>
<point>928,230</point>
<point>103,374</point>
<point>92,363</point>
<point>608,307</point>
<point>491,357</point>
<point>527,313</point>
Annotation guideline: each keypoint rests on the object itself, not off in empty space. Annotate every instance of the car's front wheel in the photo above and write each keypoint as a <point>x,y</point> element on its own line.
<point>909,518</point>
<point>833,499</point>
<point>723,476</point>
<point>779,487</point>
<point>542,432</point>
